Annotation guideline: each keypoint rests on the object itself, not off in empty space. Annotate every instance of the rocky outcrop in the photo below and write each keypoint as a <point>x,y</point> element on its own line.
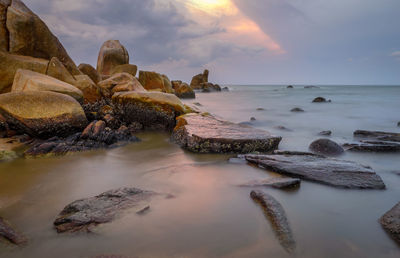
<point>112,53</point>
<point>325,133</point>
<point>57,70</point>
<point>9,64</point>
<point>29,36</point>
<point>8,233</point>
<point>210,87</point>
<point>183,90</point>
<point>376,135</point>
<point>374,142</point>
<point>42,113</point>
<point>198,80</point>
<point>4,36</point>
<point>91,72</point>
<point>320,100</point>
<point>13,147</point>
<point>153,110</point>
<point>91,92</point>
<point>326,147</point>
<point>125,68</point>
<point>167,84</point>
<point>83,215</point>
<point>315,168</point>
<point>276,215</point>
<point>206,134</point>
<point>153,81</point>
<point>275,182</point>
<point>391,222</point>
<point>118,83</point>
<point>26,80</point>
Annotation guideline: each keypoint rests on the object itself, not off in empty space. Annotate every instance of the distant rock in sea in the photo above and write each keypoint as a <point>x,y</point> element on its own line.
<point>326,147</point>
<point>320,100</point>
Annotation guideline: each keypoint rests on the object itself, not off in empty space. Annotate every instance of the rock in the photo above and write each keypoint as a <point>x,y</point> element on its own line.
<point>57,70</point>
<point>290,87</point>
<point>209,87</point>
<point>118,83</point>
<point>198,80</point>
<point>91,93</point>
<point>9,64</point>
<point>283,128</point>
<point>153,81</point>
<point>276,215</point>
<point>26,80</point>
<point>10,234</point>
<point>260,109</point>
<point>91,72</point>
<point>125,68</point>
<point>154,110</point>
<point>83,215</point>
<point>225,89</point>
<point>326,147</point>
<point>391,222</point>
<point>29,36</point>
<point>42,113</point>
<point>4,36</point>
<point>373,146</point>
<point>12,148</point>
<point>112,53</point>
<point>398,124</point>
<point>183,90</point>
<point>320,100</point>
<point>316,168</point>
<point>297,110</point>
<point>276,182</point>
<point>167,84</point>
<point>325,133</point>
<point>379,136</point>
<point>206,134</point>
<point>311,87</point>
<point>253,119</point>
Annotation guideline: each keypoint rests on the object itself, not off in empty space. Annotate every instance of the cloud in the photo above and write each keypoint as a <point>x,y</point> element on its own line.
<point>395,54</point>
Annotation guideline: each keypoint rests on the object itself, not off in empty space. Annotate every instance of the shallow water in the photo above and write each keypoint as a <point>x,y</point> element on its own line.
<point>210,216</point>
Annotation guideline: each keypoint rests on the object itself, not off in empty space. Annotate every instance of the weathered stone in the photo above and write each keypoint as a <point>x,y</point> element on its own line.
<point>320,100</point>
<point>29,36</point>
<point>209,87</point>
<point>26,80</point>
<point>225,89</point>
<point>379,136</point>
<point>325,133</point>
<point>326,147</point>
<point>198,80</point>
<point>154,110</point>
<point>43,113</point>
<point>10,234</point>
<point>91,72</point>
<point>91,92</point>
<point>297,110</point>
<point>276,182</point>
<point>311,87</point>
<point>167,84</point>
<point>391,222</point>
<point>315,168</point>
<point>57,70</point>
<point>83,215</point>
<point>9,64</point>
<point>183,90</point>
<point>373,146</point>
<point>12,148</point>
<point>4,36</point>
<point>153,81</point>
<point>118,83</point>
<point>283,128</point>
<point>206,134</point>
<point>125,68</point>
<point>398,124</point>
<point>290,87</point>
<point>112,53</point>
<point>276,215</point>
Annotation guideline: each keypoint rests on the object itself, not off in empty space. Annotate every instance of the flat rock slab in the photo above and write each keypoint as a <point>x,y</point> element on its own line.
<point>379,136</point>
<point>82,215</point>
<point>276,215</point>
<point>280,183</point>
<point>391,222</point>
<point>373,146</point>
<point>206,134</point>
<point>316,168</point>
<point>10,234</point>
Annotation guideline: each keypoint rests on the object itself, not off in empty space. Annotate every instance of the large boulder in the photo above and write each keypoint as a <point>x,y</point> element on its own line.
<point>57,70</point>
<point>112,53</point>
<point>210,87</point>
<point>153,110</point>
<point>26,80</point>
<point>90,71</point>
<point>42,113</point>
<point>153,81</point>
<point>9,64</point>
<point>91,92</point>
<point>198,80</point>
<point>4,4</point>
<point>206,134</point>
<point>125,68</point>
<point>29,36</point>
<point>326,147</point>
<point>391,222</point>
<point>167,84</point>
<point>120,82</point>
<point>183,90</point>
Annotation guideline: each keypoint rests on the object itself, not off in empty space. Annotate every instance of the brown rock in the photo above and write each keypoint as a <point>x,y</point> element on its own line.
<point>30,36</point>
<point>112,53</point>
<point>199,79</point>
<point>183,90</point>
<point>91,72</point>
<point>4,37</point>
<point>120,82</point>
<point>57,70</point>
<point>125,68</point>
<point>153,81</point>
<point>167,84</point>
<point>10,234</point>
<point>391,222</point>
<point>91,93</point>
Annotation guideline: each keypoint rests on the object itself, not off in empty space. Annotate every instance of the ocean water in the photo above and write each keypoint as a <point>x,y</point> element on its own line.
<point>210,216</point>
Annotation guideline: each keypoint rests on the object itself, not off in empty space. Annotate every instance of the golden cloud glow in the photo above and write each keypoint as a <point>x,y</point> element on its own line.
<point>214,7</point>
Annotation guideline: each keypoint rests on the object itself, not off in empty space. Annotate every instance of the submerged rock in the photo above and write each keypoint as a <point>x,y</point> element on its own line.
<point>112,53</point>
<point>206,134</point>
<point>325,133</point>
<point>376,135</point>
<point>320,100</point>
<point>276,215</point>
<point>297,110</point>
<point>83,215</point>
<point>10,234</point>
<point>316,168</point>
<point>326,147</point>
<point>373,146</point>
<point>276,182</point>
<point>391,222</point>
<point>311,87</point>
<point>290,87</point>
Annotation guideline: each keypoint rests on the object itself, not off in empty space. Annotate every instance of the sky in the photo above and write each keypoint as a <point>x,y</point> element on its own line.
<point>239,41</point>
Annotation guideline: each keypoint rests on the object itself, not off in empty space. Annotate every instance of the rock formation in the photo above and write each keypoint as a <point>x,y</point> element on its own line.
<point>326,147</point>
<point>198,80</point>
<point>120,82</point>
<point>112,53</point>
<point>125,68</point>
<point>183,90</point>
<point>91,72</point>
<point>391,222</point>
<point>153,81</point>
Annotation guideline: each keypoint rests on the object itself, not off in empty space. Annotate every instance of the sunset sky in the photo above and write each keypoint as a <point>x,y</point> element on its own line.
<point>240,41</point>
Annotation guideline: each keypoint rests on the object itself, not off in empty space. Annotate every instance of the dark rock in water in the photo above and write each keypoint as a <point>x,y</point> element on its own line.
<point>297,110</point>
<point>276,215</point>
<point>379,136</point>
<point>206,134</point>
<point>10,234</point>
<point>316,168</point>
<point>311,87</point>
<point>320,100</point>
<point>280,183</point>
<point>281,127</point>
<point>326,147</point>
<point>253,119</point>
<point>325,133</point>
<point>373,146</point>
<point>260,109</point>
<point>398,124</point>
<point>209,87</point>
<point>290,87</point>
<point>197,104</point>
<point>391,222</point>
<point>225,89</point>
<point>82,215</point>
